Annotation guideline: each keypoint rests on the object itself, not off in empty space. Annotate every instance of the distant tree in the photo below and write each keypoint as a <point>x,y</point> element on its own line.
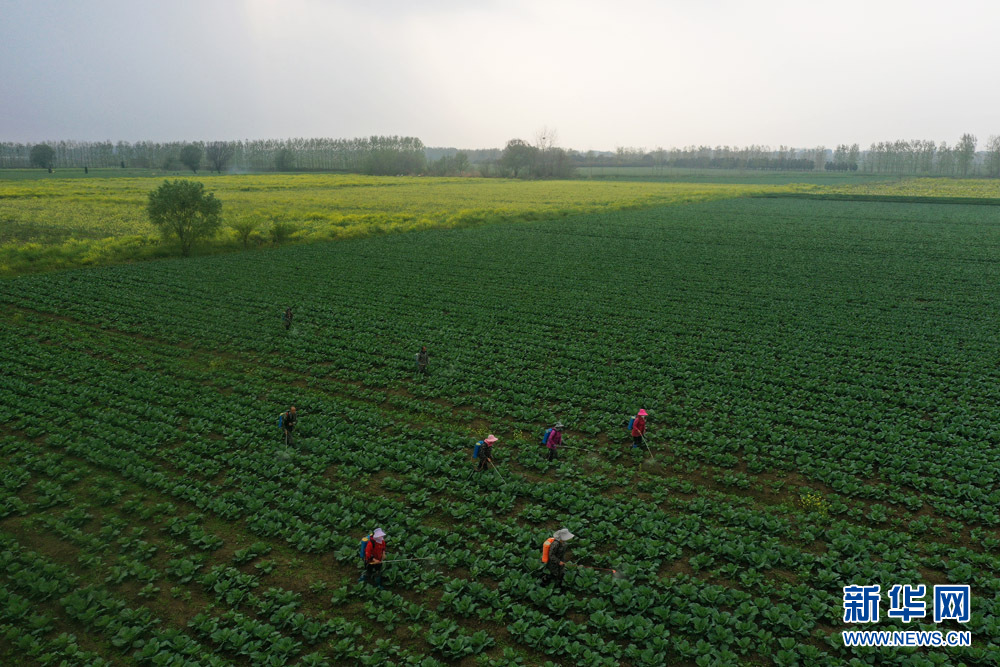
<point>840,154</point>
<point>218,154</point>
<point>284,160</point>
<point>170,163</point>
<point>819,157</point>
<point>42,155</point>
<point>993,156</point>
<point>965,153</point>
<point>659,158</point>
<point>395,155</point>
<point>853,157</point>
<point>518,157</point>
<point>191,157</point>
<point>946,160</point>
<point>182,209</point>
<point>460,163</point>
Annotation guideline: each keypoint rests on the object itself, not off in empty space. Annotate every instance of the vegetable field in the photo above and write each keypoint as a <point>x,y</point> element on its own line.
<point>821,379</point>
<point>60,223</point>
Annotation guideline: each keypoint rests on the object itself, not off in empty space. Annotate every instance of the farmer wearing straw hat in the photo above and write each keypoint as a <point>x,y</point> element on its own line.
<point>554,440</point>
<point>639,428</point>
<point>555,568</point>
<point>486,453</point>
<point>374,555</point>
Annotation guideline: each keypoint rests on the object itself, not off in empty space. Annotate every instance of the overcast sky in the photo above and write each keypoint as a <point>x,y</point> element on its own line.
<point>474,73</point>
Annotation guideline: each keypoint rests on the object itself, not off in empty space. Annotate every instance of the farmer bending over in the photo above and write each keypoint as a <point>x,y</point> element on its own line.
<point>486,453</point>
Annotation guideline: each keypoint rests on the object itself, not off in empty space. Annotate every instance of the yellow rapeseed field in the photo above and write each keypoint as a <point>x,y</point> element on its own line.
<point>72,222</point>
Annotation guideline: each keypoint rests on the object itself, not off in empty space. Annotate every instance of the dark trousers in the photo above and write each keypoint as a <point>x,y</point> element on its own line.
<point>637,441</point>
<point>553,573</point>
<point>484,463</point>
<point>552,454</point>
<point>373,574</point>
<point>288,438</point>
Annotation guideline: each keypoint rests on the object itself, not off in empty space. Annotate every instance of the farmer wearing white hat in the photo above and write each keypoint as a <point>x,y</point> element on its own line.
<point>374,555</point>
<point>639,428</point>
<point>555,568</point>
<point>554,440</point>
<point>486,452</point>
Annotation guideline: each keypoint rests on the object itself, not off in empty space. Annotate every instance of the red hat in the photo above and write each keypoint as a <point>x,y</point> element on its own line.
<point>490,439</point>
<point>642,413</point>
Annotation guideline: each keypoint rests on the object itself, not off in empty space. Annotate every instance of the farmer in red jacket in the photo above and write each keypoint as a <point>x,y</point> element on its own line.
<point>554,440</point>
<point>374,555</point>
<point>639,429</point>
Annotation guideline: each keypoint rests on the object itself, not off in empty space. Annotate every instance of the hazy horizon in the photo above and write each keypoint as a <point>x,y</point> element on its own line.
<point>641,74</point>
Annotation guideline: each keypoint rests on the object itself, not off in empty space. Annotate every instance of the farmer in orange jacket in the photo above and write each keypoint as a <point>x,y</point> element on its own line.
<point>639,429</point>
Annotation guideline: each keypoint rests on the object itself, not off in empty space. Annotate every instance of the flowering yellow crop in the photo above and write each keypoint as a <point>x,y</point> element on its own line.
<point>71,222</point>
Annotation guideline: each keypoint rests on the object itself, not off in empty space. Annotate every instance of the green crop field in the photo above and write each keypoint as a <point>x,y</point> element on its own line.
<point>50,224</point>
<point>824,400</point>
<point>729,176</point>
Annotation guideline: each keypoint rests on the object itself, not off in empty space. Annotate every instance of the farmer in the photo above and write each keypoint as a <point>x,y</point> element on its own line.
<point>364,547</point>
<point>288,420</point>
<point>486,453</point>
<point>555,566</point>
<point>287,318</point>
<point>554,440</point>
<point>422,358</point>
<point>639,429</point>
<point>374,555</point>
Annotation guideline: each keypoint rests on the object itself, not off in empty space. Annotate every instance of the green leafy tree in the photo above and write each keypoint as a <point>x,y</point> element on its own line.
<point>461,162</point>
<point>42,155</point>
<point>191,157</point>
<point>245,226</point>
<point>183,210</point>
<point>518,157</point>
<point>219,153</point>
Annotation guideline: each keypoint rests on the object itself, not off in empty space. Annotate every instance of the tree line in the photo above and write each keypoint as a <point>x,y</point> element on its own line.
<point>926,158</point>
<point>901,157</point>
<point>541,158</point>
<point>387,155</point>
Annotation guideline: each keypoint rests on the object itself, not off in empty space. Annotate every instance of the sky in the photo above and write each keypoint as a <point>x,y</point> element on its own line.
<point>475,73</point>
